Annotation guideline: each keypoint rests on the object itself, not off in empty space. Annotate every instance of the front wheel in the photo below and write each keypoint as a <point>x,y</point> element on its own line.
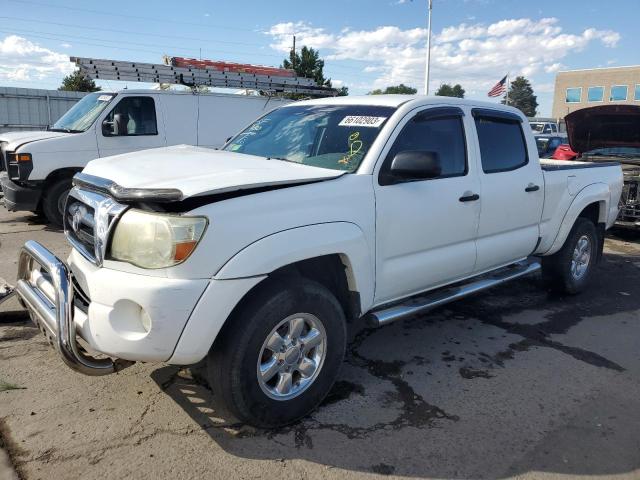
<point>54,199</point>
<point>280,353</point>
<point>570,269</point>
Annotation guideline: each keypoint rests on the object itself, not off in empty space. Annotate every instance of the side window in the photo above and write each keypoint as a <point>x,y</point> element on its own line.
<point>502,144</point>
<point>138,114</point>
<point>442,135</point>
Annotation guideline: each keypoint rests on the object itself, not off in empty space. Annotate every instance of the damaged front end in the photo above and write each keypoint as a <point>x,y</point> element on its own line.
<point>629,216</point>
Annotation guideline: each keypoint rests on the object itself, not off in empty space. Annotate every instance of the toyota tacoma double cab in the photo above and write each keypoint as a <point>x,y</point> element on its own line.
<point>260,256</point>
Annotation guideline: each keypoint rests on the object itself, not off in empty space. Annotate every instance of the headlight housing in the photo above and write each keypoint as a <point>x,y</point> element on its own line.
<point>152,240</point>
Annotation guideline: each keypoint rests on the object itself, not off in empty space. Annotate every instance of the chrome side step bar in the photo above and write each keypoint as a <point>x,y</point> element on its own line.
<point>436,298</point>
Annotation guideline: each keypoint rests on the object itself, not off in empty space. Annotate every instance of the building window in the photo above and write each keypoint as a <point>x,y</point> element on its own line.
<point>574,95</point>
<point>618,93</point>
<point>596,94</point>
<point>636,96</point>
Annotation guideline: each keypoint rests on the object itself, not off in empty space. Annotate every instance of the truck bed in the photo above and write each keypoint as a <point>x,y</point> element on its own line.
<point>564,181</point>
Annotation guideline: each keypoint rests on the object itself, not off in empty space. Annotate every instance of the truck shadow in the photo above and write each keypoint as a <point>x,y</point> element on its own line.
<point>491,387</point>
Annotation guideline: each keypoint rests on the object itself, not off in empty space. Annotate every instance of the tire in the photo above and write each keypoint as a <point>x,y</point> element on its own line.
<point>561,272</point>
<point>54,199</point>
<point>240,351</point>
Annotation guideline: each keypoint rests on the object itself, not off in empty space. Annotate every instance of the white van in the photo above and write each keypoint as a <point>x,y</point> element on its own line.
<point>36,167</point>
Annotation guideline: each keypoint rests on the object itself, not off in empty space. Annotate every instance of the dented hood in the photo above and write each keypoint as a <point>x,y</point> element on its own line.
<point>604,127</point>
<point>201,171</point>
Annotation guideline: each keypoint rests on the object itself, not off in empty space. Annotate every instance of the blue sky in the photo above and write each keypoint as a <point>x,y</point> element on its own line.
<point>367,44</point>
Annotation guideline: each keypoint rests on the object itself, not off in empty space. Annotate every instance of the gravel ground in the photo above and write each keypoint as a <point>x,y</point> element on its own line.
<point>516,382</point>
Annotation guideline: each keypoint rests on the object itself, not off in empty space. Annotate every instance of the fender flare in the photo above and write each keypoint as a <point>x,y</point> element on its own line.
<point>302,243</point>
<point>593,193</point>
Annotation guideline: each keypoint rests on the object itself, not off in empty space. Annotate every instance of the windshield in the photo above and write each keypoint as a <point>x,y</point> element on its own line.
<point>537,127</point>
<point>327,136</point>
<point>543,144</point>
<point>630,152</point>
<point>82,115</point>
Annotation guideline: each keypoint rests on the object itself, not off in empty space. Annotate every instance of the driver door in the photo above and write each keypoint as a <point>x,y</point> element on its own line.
<point>144,127</point>
<point>426,229</point>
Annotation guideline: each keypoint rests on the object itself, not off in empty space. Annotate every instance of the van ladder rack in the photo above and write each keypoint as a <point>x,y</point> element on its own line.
<point>193,73</point>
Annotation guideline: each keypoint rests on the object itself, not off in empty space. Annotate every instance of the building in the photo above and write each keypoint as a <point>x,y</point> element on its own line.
<point>576,89</point>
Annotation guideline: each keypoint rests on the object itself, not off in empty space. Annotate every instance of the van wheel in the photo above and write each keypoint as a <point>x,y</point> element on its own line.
<point>279,354</point>
<point>54,199</point>
<point>570,269</point>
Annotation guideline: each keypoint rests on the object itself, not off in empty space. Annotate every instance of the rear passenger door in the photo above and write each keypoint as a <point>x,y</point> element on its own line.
<point>144,126</point>
<point>512,190</point>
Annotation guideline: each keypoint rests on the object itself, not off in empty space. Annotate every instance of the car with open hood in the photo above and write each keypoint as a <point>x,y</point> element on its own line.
<point>612,133</point>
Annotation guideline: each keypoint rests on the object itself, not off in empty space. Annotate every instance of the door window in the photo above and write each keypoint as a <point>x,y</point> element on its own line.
<point>443,135</point>
<point>139,115</point>
<point>502,145</point>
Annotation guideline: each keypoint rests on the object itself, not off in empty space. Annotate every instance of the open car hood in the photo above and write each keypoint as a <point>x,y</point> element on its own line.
<point>604,127</point>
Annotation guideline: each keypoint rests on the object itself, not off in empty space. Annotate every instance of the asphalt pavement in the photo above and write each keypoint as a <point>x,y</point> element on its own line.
<point>515,382</point>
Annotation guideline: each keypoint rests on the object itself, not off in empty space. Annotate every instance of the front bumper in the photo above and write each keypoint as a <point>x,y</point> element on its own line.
<point>17,198</point>
<point>117,314</point>
<point>45,288</point>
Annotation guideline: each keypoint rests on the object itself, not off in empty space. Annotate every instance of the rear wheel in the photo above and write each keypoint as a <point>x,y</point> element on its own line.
<point>54,199</point>
<point>570,269</point>
<point>280,354</point>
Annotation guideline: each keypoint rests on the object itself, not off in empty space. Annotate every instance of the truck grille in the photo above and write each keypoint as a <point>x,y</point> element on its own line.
<point>630,200</point>
<point>88,220</point>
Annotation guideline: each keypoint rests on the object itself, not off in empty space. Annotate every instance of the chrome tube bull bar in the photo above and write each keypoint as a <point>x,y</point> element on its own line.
<point>55,315</point>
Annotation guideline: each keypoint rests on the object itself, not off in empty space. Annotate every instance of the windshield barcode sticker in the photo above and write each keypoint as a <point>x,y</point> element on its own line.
<point>105,98</point>
<point>362,121</point>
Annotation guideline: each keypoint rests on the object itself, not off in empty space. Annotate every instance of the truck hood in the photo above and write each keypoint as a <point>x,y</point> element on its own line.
<point>604,127</point>
<point>15,139</point>
<point>201,171</point>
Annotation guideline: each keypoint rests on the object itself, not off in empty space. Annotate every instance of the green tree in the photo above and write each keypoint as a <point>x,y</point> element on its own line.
<point>446,90</point>
<point>77,82</point>
<point>521,96</point>
<point>307,64</point>
<point>397,89</point>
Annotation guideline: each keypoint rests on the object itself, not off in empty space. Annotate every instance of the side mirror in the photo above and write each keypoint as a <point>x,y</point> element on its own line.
<point>415,165</point>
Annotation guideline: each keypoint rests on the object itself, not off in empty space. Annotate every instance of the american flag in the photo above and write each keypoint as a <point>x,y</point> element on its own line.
<point>499,88</point>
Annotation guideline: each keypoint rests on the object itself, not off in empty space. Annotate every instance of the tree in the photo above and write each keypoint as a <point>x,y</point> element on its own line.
<point>77,82</point>
<point>521,96</point>
<point>307,64</point>
<point>447,90</point>
<point>396,89</point>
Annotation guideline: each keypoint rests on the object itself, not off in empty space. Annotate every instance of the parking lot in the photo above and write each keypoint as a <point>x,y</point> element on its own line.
<point>516,382</point>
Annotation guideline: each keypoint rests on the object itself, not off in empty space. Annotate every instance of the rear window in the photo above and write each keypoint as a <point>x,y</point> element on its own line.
<point>502,145</point>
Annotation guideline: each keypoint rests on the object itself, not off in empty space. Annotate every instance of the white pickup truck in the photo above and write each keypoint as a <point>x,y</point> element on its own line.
<point>261,255</point>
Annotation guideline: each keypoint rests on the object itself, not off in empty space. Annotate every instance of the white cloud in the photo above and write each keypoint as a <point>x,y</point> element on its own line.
<point>475,55</point>
<point>23,60</point>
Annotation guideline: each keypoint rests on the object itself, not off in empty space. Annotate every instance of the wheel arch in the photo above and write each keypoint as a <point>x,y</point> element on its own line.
<point>592,202</point>
<point>334,254</point>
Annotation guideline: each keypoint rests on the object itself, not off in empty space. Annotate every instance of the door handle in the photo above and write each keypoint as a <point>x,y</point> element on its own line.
<point>470,198</point>
<point>532,188</point>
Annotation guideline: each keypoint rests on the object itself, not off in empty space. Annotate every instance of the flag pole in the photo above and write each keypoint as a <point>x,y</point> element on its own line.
<point>508,88</point>
<point>426,76</point>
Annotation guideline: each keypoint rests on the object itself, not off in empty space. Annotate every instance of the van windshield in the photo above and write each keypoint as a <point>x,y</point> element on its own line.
<point>327,136</point>
<point>82,115</point>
